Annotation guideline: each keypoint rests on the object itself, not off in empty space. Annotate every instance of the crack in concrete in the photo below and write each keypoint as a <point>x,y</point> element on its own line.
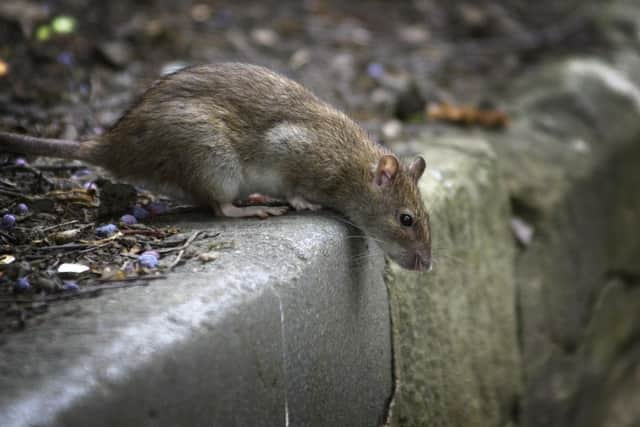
<point>284,360</point>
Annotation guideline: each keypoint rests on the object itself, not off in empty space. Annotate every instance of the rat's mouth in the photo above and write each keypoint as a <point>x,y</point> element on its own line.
<point>416,262</point>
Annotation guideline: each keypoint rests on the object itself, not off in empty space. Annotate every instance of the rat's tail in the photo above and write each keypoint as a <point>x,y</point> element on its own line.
<point>25,144</point>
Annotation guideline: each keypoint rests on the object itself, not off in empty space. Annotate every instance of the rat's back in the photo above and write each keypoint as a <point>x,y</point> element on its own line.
<point>201,123</point>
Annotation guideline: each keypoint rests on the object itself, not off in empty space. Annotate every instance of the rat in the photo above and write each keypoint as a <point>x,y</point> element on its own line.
<point>221,132</point>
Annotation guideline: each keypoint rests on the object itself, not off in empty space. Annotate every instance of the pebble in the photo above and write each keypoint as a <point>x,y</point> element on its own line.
<point>201,12</point>
<point>414,34</point>
<point>522,230</point>
<point>300,58</point>
<point>580,146</point>
<point>392,129</point>
<point>208,256</point>
<point>117,53</point>
<point>264,37</point>
<point>65,236</point>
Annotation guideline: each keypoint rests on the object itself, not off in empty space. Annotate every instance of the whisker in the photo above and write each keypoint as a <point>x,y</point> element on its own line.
<point>344,220</point>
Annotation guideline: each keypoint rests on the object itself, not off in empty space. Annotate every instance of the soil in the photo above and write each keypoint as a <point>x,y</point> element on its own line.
<point>69,68</point>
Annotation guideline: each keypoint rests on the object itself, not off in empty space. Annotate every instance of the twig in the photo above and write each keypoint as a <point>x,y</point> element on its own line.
<point>6,182</point>
<point>11,193</point>
<point>66,246</point>
<point>186,244</point>
<point>53,227</point>
<point>7,236</point>
<point>154,233</point>
<point>96,247</point>
<point>184,247</point>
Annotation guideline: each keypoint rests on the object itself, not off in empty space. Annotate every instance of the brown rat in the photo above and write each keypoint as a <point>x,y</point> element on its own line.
<point>221,132</point>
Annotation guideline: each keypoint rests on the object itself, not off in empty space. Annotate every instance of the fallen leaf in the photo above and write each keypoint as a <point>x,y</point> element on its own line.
<point>467,115</point>
<point>72,268</point>
<point>7,259</point>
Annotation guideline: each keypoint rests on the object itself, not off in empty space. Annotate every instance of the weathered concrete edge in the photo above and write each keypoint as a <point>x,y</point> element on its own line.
<point>278,331</point>
<point>456,359</point>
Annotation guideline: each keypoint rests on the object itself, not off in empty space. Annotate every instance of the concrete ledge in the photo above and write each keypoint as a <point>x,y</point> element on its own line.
<point>278,331</point>
<point>456,355</point>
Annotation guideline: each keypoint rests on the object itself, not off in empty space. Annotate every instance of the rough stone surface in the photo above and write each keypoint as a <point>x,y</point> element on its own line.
<point>571,163</point>
<point>455,343</point>
<point>290,327</point>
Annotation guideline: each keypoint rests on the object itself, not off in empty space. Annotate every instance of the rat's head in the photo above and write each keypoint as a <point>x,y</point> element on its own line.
<point>395,215</point>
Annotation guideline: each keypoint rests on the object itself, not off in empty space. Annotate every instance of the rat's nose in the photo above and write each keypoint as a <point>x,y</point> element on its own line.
<point>421,262</point>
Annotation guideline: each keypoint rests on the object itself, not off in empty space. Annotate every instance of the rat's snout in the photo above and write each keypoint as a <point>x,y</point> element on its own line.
<point>417,260</point>
<point>421,261</point>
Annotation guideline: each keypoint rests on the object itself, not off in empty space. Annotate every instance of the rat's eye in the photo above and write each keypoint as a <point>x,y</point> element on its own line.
<point>406,219</point>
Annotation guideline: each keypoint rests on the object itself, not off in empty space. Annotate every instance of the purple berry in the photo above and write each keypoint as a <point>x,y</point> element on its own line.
<point>158,208</point>
<point>70,286</point>
<point>128,219</point>
<point>8,221</point>
<point>140,213</point>
<point>375,70</point>
<point>22,209</point>
<point>106,230</point>
<point>66,58</point>
<point>148,260</point>
<point>20,161</point>
<point>21,285</point>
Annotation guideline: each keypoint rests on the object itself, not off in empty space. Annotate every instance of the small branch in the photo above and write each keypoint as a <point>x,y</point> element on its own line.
<point>189,241</point>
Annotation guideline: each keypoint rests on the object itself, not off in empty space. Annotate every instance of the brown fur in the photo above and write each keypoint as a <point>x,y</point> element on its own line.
<point>210,131</point>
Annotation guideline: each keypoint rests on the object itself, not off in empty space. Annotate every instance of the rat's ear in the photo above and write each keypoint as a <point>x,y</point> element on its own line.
<point>387,168</point>
<point>417,167</point>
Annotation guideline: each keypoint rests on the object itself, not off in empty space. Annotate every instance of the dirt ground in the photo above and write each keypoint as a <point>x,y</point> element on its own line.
<point>69,68</point>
